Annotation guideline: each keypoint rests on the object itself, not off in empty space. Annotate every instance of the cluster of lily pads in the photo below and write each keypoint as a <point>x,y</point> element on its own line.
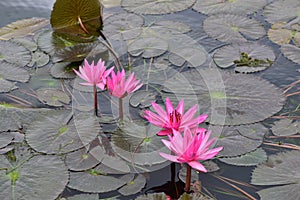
<point>50,140</point>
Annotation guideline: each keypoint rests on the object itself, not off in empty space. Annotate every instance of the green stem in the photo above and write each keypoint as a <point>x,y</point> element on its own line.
<point>120,109</point>
<point>95,101</point>
<point>188,179</point>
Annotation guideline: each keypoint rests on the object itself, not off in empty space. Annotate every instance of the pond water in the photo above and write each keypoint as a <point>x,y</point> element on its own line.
<point>184,49</point>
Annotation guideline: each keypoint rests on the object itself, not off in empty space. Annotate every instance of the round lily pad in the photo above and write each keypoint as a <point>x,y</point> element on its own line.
<point>173,26</point>
<point>77,18</point>
<point>282,11</point>
<point>39,177</point>
<point>27,43</point>
<point>64,69</point>
<point>148,47</point>
<point>7,86</point>
<point>286,127</point>
<point>233,28</point>
<point>13,73</point>
<point>238,140</point>
<point>53,97</point>
<point>245,57</point>
<point>39,59</point>
<point>84,197</point>
<point>95,182</point>
<point>280,33</point>
<point>133,186</point>
<point>5,139</point>
<point>281,171</point>
<point>22,28</point>
<point>291,52</point>
<point>156,7</point>
<point>228,98</point>
<point>142,99</point>
<point>193,56</point>
<point>249,159</point>
<point>210,7</point>
<point>126,25</point>
<point>57,132</point>
<point>14,53</point>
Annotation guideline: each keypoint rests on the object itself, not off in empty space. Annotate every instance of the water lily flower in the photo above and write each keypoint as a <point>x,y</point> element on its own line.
<point>191,148</point>
<point>174,119</point>
<point>119,86</point>
<point>94,75</point>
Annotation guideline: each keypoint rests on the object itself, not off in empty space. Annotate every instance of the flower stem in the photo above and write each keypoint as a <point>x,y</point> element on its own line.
<point>95,101</point>
<point>120,109</point>
<point>188,179</point>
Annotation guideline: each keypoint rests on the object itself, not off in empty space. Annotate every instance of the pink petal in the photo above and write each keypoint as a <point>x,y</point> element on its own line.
<point>160,111</point>
<point>169,106</point>
<point>197,165</point>
<point>164,132</point>
<point>180,107</point>
<point>189,114</point>
<point>169,157</point>
<point>202,118</point>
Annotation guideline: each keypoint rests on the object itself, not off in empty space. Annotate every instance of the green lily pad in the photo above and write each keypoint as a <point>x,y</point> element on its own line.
<point>238,140</point>
<point>282,172</point>
<point>84,197</point>
<point>7,86</point>
<point>148,47</point>
<point>210,7</point>
<point>133,186</point>
<point>138,144</point>
<point>291,52</point>
<point>39,177</point>
<point>249,159</point>
<point>173,26</point>
<point>156,7</point>
<point>233,28</point>
<point>39,59</point>
<point>67,15</point>
<point>142,99</point>
<point>281,34</point>
<point>42,79</point>
<point>27,43</point>
<point>61,134</point>
<point>14,53</point>
<point>95,182</point>
<point>282,11</point>
<point>259,57</point>
<point>64,69</point>
<point>13,73</point>
<point>126,25</point>
<point>22,28</point>
<point>53,97</point>
<point>5,139</point>
<point>193,56</point>
<point>286,127</point>
<point>48,41</point>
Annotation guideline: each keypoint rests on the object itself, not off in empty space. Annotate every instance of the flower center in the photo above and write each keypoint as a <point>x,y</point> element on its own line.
<point>175,118</point>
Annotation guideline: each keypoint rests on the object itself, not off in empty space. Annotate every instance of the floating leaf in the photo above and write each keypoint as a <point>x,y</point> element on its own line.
<point>233,28</point>
<point>14,53</point>
<point>84,197</point>
<point>232,6</point>
<point>6,86</point>
<point>228,99</point>
<point>5,139</point>
<point>282,11</point>
<point>52,96</point>
<point>82,159</point>
<point>22,28</point>
<point>282,171</point>
<point>238,140</point>
<point>148,47</point>
<point>28,44</point>
<point>81,19</point>
<point>126,25</point>
<point>286,127</point>
<point>195,196</point>
<point>262,55</point>
<point>39,177</point>
<point>173,26</point>
<point>133,186</point>
<point>54,133</point>
<point>250,159</point>
<point>111,3</point>
<point>193,56</point>
<point>64,69</point>
<point>142,99</point>
<point>48,41</point>
<point>280,33</point>
<point>156,7</point>
<point>152,196</point>
<point>39,59</point>
<point>291,52</point>
<point>93,181</point>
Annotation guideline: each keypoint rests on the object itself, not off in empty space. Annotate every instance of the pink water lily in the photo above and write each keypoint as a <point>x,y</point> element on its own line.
<point>119,86</point>
<point>191,148</point>
<point>94,74</point>
<point>174,119</point>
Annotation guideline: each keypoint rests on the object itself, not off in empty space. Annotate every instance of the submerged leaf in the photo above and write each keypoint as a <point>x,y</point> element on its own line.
<point>84,197</point>
<point>53,97</point>
<point>233,28</point>
<point>291,52</point>
<point>156,7</point>
<point>39,59</point>
<point>286,127</point>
